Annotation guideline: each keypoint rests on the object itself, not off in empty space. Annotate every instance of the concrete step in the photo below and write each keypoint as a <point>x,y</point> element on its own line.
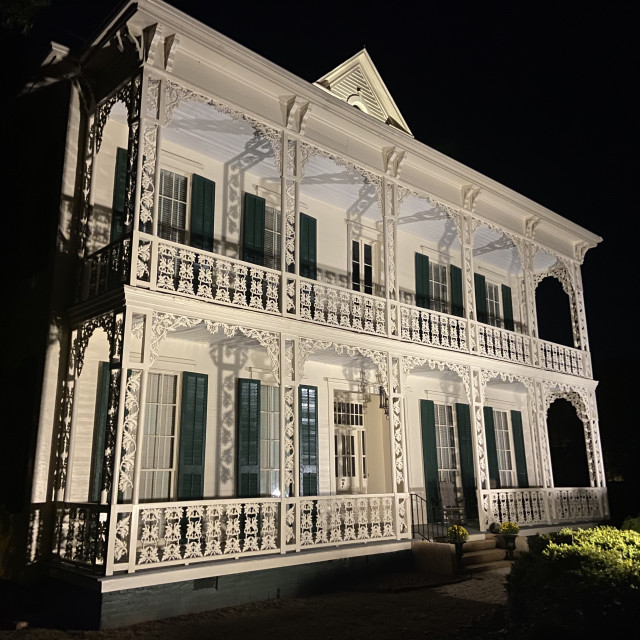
<point>482,556</point>
<point>479,545</point>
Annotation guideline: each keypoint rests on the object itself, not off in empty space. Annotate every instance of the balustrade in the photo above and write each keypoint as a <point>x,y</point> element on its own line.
<point>544,506</point>
<point>80,534</point>
<point>171,267</point>
<point>557,357</point>
<point>105,270</point>
<point>205,276</point>
<point>328,304</point>
<point>432,328</point>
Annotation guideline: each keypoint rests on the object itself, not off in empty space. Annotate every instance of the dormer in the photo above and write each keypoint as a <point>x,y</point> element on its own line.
<point>358,83</point>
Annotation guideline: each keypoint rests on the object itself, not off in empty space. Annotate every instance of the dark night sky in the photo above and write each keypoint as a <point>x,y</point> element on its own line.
<point>538,97</point>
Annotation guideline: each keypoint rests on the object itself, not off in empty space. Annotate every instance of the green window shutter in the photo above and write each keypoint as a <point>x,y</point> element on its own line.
<point>518,449</point>
<point>457,301</point>
<point>463,418</point>
<point>507,308</point>
<point>430,456</point>
<point>203,196</point>
<point>308,434</point>
<point>480,282</point>
<point>119,196</point>
<point>99,429</point>
<point>423,298</point>
<point>248,438</point>
<point>308,247</point>
<point>492,452</point>
<point>253,229</point>
<point>193,426</point>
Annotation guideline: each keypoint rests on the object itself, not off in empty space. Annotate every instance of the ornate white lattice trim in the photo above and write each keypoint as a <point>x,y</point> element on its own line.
<point>164,323</point>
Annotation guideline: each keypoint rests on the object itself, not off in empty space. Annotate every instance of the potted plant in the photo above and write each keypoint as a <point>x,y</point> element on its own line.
<point>458,535</point>
<point>509,531</point>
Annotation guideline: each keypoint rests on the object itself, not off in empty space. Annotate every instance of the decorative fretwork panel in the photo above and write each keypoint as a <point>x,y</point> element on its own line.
<point>80,534</point>
<point>556,357</point>
<point>338,520</point>
<point>340,307</point>
<point>105,270</point>
<point>435,329</point>
<point>530,507</point>
<point>503,344</point>
<point>172,534</point>
<point>202,275</point>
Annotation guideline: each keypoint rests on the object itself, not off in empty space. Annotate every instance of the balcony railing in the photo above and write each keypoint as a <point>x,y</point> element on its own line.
<point>170,267</point>
<point>546,506</point>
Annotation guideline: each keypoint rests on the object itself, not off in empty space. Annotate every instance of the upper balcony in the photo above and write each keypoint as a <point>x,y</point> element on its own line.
<point>214,206</point>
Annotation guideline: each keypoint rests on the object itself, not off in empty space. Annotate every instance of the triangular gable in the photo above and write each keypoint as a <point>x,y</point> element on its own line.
<point>358,83</point>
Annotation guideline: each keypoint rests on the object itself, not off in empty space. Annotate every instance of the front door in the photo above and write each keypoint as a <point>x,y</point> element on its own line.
<point>350,462</point>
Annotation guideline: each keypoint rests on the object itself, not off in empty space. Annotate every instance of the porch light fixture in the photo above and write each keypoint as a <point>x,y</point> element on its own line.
<point>384,400</point>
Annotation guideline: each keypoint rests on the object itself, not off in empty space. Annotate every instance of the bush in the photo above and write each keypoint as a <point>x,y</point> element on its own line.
<point>582,582</point>
<point>632,523</point>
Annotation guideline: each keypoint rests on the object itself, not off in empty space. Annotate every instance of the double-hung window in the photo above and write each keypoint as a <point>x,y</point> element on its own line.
<point>431,284</point>
<point>493,304</point>
<point>172,461</point>
<point>445,443</point>
<point>272,237</point>
<point>159,439</point>
<point>438,287</point>
<point>172,206</point>
<point>362,266</point>
<point>269,440</point>
<point>503,448</point>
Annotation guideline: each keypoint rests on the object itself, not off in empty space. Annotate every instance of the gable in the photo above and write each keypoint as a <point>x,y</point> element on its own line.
<point>357,82</point>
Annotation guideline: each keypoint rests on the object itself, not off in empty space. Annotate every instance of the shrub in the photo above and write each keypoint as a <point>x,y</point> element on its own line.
<point>632,523</point>
<point>582,582</point>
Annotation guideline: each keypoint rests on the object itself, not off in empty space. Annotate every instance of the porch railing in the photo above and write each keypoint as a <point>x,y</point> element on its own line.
<point>168,534</point>
<point>80,535</point>
<point>105,270</point>
<point>545,506</point>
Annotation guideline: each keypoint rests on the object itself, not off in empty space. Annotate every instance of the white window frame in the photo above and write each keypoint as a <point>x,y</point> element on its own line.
<point>438,302</point>
<point>187,205</point>
<point>494,304</point>
<point>172,470</point>
<point>269,425</point>
<point>357,232</point>
<point>349,427</point>
<point>504,448</point>
<point>445,422</point>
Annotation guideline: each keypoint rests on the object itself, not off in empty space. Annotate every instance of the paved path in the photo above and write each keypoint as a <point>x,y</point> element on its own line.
<point>403,606</point>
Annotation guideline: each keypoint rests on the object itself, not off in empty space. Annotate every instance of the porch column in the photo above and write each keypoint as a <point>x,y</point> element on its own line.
<point>481,469</point>
<point>289,461</point>
<point>466,229</point>
<point>580,318</point>
<point>397,438</point>
<point>145,132</point>
<point>66,420</point>
<point>529,298</point>
<point>389,236</point>
<point>544,451</point>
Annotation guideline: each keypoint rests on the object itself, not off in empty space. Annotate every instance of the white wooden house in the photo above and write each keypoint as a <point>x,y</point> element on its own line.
<point>289,317</point>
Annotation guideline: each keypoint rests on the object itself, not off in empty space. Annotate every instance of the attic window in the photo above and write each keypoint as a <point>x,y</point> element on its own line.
<point>355,100</point>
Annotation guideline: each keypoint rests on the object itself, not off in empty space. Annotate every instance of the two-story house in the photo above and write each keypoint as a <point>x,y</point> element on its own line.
<point>288,317</point>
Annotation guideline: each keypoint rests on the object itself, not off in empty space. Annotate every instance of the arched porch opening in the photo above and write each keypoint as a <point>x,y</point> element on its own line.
<point>567,446</point>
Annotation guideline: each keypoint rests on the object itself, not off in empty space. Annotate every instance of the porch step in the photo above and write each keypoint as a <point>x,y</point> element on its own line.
<point>482,556</point>
<point>479,544</point>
